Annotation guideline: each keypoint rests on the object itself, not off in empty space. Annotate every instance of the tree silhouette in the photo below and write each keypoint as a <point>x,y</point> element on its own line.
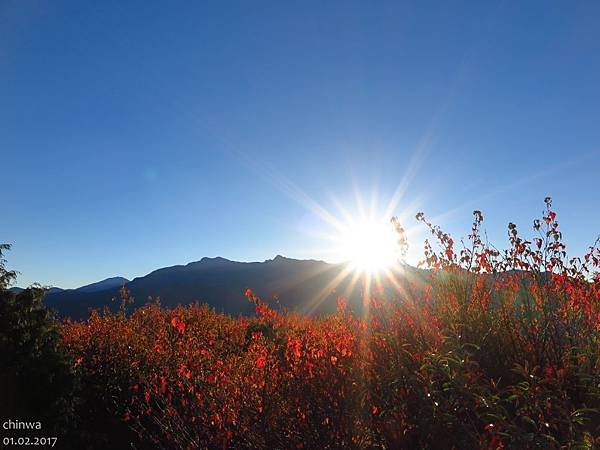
<point>37,382</point>
<point>6,276</point>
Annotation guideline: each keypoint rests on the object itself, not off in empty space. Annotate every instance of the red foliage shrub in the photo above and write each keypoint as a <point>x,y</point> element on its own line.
<point>488,349</point>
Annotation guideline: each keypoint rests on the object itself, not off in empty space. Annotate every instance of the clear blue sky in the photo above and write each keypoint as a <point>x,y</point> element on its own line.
<point>136,135</point>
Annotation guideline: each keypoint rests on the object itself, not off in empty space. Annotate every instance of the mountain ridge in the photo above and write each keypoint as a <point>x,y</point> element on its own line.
<point>309,286</point>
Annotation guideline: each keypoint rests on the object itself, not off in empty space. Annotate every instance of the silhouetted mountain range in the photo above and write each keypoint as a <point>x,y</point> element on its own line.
<point>52,290</point>
<point>307,286</point>
<point>109,283</point>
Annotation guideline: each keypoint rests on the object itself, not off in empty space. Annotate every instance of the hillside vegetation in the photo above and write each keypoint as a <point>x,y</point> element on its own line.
<point>497,349</point>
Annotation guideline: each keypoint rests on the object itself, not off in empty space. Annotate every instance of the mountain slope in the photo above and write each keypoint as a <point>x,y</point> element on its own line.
<point>109,283</point>
<point>307,286</point>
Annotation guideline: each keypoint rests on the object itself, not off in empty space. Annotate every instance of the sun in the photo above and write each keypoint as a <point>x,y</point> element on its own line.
<point>369,246</point>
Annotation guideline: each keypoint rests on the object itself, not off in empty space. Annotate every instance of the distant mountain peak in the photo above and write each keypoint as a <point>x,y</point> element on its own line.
<point>49,289</point>
<point>209,262</point>
<point>207,259</point>
<point>281,259</point>
<point>108,283</point>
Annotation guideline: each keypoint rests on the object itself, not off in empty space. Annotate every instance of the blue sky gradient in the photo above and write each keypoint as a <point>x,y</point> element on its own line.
<point>136,135</point>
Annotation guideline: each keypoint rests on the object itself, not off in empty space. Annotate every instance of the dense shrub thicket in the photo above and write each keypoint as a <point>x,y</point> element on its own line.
<point>37,380</point>
<point>496,349</point>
